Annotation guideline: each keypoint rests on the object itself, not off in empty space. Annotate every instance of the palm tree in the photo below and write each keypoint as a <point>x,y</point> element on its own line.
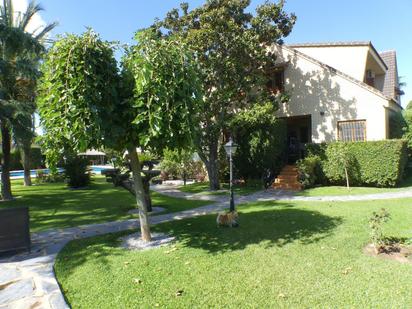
<point>20,52</point>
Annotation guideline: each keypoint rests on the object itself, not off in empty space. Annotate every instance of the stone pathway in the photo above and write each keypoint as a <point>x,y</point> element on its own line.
<point>27,280</point>
<point>271,195</point>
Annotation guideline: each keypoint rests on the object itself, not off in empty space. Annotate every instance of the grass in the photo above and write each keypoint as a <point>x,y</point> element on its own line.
<point>203,188</point>
<point>53,205</point>
<point>342,190</point>
<point>283,255</point>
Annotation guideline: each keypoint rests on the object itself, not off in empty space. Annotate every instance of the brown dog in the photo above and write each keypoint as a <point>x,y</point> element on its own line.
<point>227,219</point>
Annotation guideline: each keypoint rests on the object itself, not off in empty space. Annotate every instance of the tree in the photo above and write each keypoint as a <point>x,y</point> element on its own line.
<point>20,52</point>
<point>85,103</point>
<point>231,48</point>
<point>261,138</point>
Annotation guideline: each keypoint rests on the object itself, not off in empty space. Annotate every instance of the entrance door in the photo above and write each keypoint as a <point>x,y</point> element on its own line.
<point>298,134</point>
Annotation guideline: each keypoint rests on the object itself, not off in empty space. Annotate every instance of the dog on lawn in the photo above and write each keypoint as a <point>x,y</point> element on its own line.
<point>228,219</point>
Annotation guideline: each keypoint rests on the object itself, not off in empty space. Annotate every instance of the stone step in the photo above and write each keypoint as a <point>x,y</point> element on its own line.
<point>284,187</point>
<point>288,177</point>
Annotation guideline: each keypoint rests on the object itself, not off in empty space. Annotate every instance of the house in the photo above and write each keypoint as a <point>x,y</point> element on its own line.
<point>338,91</point>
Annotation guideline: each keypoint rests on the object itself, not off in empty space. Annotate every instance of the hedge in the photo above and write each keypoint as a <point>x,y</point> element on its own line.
<point>374,163</point>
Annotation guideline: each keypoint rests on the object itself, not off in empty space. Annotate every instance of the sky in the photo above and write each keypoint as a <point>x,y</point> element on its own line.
<point>385,23</point>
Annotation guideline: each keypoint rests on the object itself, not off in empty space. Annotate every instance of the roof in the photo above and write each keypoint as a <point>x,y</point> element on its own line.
<point>92,152</point>
<point>390,82</point>
<point>330,44</point>
<point>338,72</point>
<point>341,44</point>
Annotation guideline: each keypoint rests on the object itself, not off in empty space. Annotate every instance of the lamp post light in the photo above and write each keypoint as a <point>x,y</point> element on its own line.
<point>230,149</point>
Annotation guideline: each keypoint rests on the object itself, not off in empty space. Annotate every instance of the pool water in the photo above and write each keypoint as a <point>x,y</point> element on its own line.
<point>33,173</point>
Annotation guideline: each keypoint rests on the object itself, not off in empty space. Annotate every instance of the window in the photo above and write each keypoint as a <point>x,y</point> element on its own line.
<point>352,131</point>
<point>276,80</point>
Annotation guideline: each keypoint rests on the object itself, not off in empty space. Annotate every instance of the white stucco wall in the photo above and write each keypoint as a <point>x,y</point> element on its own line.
<point>314,89</point>
<point>350,60</point>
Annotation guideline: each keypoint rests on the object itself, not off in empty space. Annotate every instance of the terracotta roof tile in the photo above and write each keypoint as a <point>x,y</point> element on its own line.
<point>391,76</point>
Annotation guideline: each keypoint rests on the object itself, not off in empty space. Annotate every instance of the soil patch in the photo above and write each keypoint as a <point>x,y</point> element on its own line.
<point>396,252</point>
<point>134,242</point>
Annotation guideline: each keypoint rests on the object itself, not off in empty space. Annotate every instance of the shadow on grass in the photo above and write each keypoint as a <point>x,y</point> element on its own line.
<point>265,227</point>
<point>277,226</point>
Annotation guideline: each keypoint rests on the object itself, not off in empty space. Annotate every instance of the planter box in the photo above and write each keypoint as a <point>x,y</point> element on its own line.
<point>14,229</point>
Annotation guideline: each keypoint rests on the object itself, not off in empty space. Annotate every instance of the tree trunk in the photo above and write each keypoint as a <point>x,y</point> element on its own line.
<point>5,172</point>
<point>140,195</point>
<point>184,178</point>
<point>347,177</point>
<point>212,166</point>
<point>26,164</point>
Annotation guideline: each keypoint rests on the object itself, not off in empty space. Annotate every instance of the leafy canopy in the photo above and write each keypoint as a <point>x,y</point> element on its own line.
<point>166,93</point>
<point>76,93</point>
<point>230,45</point>
<point>85,102</point>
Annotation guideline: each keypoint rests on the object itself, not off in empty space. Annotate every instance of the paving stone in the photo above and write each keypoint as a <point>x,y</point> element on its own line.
<point>16,291</point>
<point>50,286</point>
<point>8,275</point>
<point>57,301</point>
<point>26,303</point>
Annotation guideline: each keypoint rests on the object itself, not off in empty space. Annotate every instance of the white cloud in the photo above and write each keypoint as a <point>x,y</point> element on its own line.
<point>36,23</point>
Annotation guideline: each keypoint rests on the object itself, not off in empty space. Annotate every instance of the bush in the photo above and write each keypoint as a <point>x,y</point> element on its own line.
<point>379,163</point>
<point>181,164</point>
<point>42,177</point>
<point>77,172</point>
<point>308,170</point>
<point>318,150</point>
<point>262,142</point>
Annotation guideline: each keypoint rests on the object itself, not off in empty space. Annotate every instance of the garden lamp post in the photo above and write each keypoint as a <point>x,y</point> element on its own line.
<point>230,149</point>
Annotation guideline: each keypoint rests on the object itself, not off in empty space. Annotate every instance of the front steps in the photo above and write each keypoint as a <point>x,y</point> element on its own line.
<point>288,179</point>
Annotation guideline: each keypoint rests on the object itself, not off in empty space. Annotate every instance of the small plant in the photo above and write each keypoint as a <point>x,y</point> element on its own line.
<point>375,224</point>
<point>43,177</point>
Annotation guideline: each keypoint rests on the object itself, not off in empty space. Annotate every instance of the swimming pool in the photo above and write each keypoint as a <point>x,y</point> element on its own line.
<point>33,173</point>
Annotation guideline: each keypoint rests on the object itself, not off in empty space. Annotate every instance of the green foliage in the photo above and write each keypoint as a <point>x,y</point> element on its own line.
<point>76,93</point>
<point>340,160</point>
<point>375,163</point>
<point>308,174</point>
<point>36,159</point>
<point>42,177</point>
<point>261,138</point>
<point>167,95</point>
<point>228,41</point>
<point>407,115</point>
<point>181,164</point>
<point>77,172</point>
<point>376,232</point>
<point>319,150</point>
<point>397,125</point>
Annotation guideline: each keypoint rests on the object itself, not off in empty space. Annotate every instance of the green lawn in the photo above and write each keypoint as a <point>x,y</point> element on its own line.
<point>342,190</point>
<point>283,255</point>
<point>203,188</point>
<point>53,205</point>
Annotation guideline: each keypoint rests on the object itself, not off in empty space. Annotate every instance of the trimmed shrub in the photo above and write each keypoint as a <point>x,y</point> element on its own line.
<point>376,163</point>
<point>316,150</point>
<point>308,171</point>
<point>77,172</point>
